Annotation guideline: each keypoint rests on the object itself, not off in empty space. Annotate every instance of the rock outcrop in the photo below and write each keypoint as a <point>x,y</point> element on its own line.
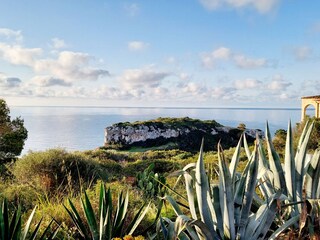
<point>182,133</point>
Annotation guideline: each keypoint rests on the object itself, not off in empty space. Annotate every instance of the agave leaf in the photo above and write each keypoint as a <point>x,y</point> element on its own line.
<point>108,223</point>
<point>120,214</point>
<point>204,231</point>
<point>191,195</point>
<point>202,190</point>
<point>102,223</point>
<point>289,163</point>
<point>275,164</point>
<point>312,177</point>
<point>73,213</point>
<point>235,160</point>
<point>35,231</point>
<point>267,218</point>
<point>263,163</point>
<point>137,219</point>
<point>217,216</point>
<point>4,220</point>
<point>102,196</point>
<point>89,213</point>
<point>284,227</point>
<point>226,196</point>
<point>168,232</point>
<point>180,225</point>
<point>249,191</point>
<point>303,134</point>
<point>174,205</point>
<point>300,159</point>
<point>246,146</point>
<point>13,223</point>
<point>238,197</point>
<point>27,227</point>
<point>16,231</point>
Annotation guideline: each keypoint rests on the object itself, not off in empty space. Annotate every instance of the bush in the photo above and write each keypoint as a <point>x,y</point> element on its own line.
<point>12,134</point>
<point>56,170</point>
<point>22,195</point>
<point>161,166</point>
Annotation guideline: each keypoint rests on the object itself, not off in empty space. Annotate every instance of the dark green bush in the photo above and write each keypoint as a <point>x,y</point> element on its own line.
<point>160,166</point>
<point>56,170</point>
<point>13,134</point>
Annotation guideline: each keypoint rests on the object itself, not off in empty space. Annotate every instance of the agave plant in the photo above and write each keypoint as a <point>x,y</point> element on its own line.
<point>298,178</point>
<point>111,221</point>
<point>11,227</point>
<point>224,210</point>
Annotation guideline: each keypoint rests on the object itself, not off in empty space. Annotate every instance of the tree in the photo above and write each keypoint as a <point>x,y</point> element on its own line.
<point>13,134</point>
<point>314,141</point>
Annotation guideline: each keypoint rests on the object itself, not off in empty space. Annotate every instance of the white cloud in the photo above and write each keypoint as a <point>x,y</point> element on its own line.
<point>248,83</point>
<point>70,66</point>
<point>249,63</point>
<point>278,84</point>
<point>221,53</point>
<point>137,46</point>
<point>302,53</point>
<point>48,81</point>
<point>9,33</point>
<point>262,6</point>
<point>18,55</point>
<point>58,43</point>
<point>212,59</point>
<point>209,60</point>
<point>67,66</point>
<point>145,77</point>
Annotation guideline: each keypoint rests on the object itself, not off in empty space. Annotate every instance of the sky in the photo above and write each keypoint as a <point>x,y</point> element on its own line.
<point>165,53</point>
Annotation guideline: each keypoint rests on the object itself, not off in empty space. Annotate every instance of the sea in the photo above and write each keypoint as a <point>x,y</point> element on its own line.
<point>82,128</point>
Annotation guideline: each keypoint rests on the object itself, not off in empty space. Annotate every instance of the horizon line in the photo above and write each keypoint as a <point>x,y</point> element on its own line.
<point>161,107</point>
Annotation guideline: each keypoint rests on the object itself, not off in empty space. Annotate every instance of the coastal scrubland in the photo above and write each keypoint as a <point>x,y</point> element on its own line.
<point>269,189</point>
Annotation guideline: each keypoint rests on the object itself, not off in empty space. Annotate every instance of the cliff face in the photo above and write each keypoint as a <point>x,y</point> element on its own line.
<point>184,133</point>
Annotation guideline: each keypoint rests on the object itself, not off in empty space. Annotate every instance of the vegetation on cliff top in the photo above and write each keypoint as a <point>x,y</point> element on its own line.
<point>172,122</point>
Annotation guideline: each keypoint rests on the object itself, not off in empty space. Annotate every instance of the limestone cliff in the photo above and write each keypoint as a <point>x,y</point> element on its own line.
<point>183,133</point>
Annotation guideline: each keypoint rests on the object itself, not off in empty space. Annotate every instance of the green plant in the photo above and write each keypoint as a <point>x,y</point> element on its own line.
<point>12,134</point>
<point>111,221</point>
<point>57,171</point>
<point>223,211</point>
<point>152,184</point>
<point>11,227</point>
<point>298,179</point>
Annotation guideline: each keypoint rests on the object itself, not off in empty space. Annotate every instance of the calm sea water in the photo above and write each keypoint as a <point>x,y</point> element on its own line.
<point>77,128</point>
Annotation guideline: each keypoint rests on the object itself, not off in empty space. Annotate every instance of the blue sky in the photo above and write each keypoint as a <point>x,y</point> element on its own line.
<point>191,53</point>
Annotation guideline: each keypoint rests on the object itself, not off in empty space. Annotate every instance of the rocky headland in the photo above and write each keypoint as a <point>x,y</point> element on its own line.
<point>182,133</point>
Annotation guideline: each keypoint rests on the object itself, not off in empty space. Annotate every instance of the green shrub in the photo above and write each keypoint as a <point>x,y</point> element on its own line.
<point>56,170</point>
<point>13,134</point>
<point>103,154</point>
<point>23,195</point>
<point>161,166</point>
